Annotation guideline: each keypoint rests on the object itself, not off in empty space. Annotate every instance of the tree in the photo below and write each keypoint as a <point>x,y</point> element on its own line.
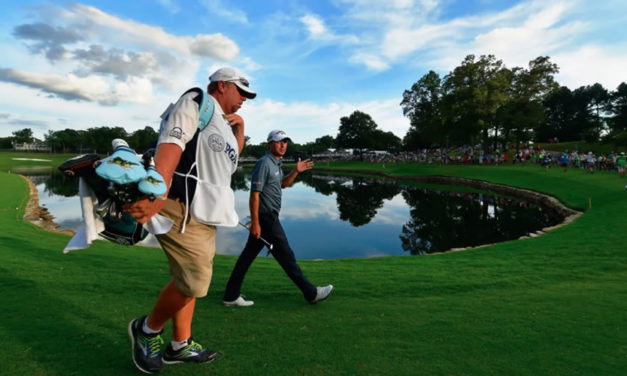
<point>618,119</point>
<point>599,105</point>
<point>99,139</point>
<point>388,141</point>
<point>354,131</point>
<point>523,113</point>
<point>24,136</point>
<point>324,143</point>
<point>255,151</point>
<point>65,141</point>
<point>6,142</point>
<point>474,92</point>
<point>143,139</point>
<point>421,104</point>
<point>358,204</point>
<point>559,108</point>
<point>586,117</point>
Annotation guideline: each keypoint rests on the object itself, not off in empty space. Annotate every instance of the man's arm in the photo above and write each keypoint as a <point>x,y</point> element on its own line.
<point>166,160</point>
<point>253,203</point>
<point>300,167</point>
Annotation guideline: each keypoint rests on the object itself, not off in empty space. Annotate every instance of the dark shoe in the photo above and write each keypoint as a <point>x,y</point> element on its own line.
<point>192,353</point>
<point>322,293</point>
<point>146,347</point>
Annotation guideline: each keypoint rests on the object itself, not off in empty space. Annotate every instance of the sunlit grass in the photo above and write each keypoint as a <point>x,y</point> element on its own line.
<point>551,305</point>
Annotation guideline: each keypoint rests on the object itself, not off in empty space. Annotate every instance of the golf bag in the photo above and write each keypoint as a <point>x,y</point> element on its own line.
<point>116,180</point>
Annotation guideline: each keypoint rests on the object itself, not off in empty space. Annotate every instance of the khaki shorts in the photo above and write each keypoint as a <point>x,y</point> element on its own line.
<point>190,255</point>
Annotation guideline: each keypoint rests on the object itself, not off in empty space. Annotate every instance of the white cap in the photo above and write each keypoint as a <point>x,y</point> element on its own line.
<point>277,135</point>
<point>231,75</point>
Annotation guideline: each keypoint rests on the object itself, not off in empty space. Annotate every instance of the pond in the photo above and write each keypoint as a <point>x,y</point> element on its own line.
<point>328,217</point>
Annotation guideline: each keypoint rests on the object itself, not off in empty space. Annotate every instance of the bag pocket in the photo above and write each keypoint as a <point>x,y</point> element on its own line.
<point>214,205</point>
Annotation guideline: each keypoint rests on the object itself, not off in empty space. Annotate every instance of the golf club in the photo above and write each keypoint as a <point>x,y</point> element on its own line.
<point>260,238</point>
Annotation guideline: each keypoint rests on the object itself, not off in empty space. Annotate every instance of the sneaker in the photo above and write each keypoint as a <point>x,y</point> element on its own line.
<point>240,302</point>
<point>192,353</point>
<point>322,293</point>
<point>146,347</point>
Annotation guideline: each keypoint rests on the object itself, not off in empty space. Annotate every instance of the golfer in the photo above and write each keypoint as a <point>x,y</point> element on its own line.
<point>265,203</point>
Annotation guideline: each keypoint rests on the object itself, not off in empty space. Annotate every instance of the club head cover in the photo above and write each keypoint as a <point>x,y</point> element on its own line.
<point>121,167</point>
<point>80,166</point>
<point>153,183</point>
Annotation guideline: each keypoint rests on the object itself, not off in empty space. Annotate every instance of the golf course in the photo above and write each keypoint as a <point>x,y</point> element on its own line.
<point>554,304</point>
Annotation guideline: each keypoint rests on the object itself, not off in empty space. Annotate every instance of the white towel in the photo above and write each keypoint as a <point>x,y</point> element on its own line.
<point>158,224</point>
<point>93,224</point>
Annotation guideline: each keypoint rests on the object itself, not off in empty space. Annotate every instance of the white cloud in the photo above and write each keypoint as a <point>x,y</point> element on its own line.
<point>215,46</point>
<point>27,107</point>
<point>113,61</point>
<point>371,61</point>
<point>314,25</point>
<point>393,212</point>
<point>398,43</point>
<point>395,32</point>
<point>229,11</point>
<point>590,64</point>
<point>92,88</point>
<point>323,209</point>
<point>319,32</point>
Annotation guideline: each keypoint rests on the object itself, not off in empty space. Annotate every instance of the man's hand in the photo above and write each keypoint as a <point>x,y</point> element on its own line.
<point>143,209</point>
<point>303,165</point>
<point>234,120</point>
<point>255,230</point>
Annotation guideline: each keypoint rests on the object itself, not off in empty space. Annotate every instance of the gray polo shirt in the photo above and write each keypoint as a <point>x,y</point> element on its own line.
<point>266,178</point>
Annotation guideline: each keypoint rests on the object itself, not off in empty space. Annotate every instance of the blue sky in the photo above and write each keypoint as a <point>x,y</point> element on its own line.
<point>120,63</point>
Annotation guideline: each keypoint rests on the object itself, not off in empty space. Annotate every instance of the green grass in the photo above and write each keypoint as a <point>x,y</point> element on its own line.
<point>551,305</point>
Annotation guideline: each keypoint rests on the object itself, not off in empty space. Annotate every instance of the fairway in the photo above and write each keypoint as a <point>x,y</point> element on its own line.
<point>549,305</point>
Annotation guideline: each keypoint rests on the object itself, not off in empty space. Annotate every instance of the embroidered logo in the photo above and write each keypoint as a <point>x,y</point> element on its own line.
<point>176,132</point>
<point>153,181</point>
<point>231,153</point>
<point>216,142</point>
<point>122,163</point>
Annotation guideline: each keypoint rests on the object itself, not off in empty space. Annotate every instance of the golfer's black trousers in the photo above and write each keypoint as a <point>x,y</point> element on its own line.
<point>272,231</point>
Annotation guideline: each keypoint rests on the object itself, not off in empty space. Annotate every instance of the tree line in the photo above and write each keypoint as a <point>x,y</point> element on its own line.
<point>481,101</point>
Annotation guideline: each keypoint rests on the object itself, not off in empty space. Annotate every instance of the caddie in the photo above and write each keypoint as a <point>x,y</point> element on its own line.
<point>196,158</point>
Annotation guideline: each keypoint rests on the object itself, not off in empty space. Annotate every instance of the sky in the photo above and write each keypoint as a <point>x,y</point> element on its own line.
<point>88,64</point>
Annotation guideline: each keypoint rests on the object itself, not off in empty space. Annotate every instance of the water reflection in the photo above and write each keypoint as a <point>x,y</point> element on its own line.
<point>337,217</point>
<point>442,220</point>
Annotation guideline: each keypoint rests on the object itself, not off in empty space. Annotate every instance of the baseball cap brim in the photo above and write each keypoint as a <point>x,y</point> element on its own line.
<point>244,89</point>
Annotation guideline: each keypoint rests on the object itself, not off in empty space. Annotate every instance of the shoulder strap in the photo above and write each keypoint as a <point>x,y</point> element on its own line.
<point>205,107</point>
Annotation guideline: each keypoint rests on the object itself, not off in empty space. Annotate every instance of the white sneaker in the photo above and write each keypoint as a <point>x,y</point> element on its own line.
<point>240,302</point>
<point>322,293</point>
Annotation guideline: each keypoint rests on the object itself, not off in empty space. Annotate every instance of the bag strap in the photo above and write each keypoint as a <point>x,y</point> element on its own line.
<point>205,107</point>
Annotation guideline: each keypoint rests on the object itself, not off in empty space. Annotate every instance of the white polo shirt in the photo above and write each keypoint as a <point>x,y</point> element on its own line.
<point>210,164</point>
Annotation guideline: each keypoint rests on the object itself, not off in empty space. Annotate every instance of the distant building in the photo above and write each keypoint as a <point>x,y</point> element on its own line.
<point>35,146</point>
<point>333,154</point>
